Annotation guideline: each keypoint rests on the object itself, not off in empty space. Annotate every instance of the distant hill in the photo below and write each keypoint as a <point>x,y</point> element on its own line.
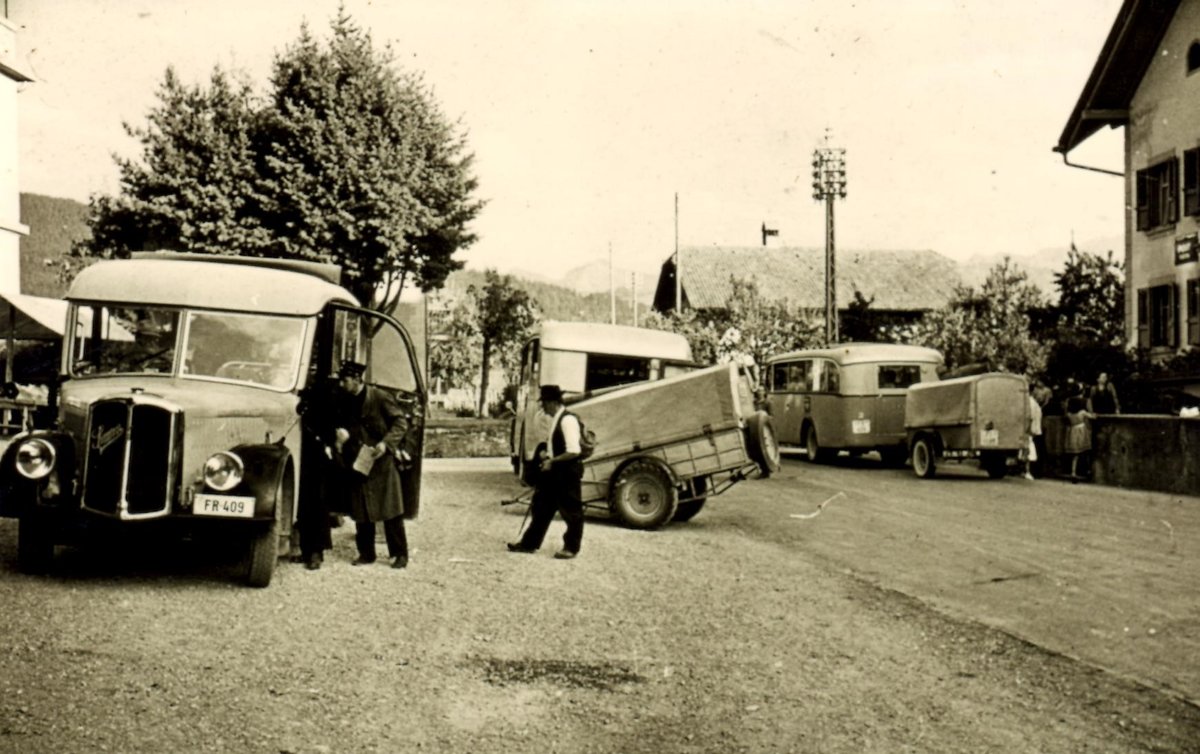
<point>1041,265</point>
<point>581,294</point>
<point>556,302</point>
<point>54,224</point>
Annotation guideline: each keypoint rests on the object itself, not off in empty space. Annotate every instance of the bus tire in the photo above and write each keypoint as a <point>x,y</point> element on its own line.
<point>265,545</point>
<point>643,496</point>
<point>35,543</point>
<point>893,457</point>
<point>924,458</point>
<point>995,464</point>
<point>812,446</point>
<point>762,445</point>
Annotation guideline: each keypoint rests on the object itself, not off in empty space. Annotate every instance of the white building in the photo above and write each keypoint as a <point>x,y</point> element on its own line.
<point>11,228</point>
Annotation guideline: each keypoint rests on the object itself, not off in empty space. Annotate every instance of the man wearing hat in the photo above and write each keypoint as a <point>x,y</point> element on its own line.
<point>557,486</point>
<point>370,429</point>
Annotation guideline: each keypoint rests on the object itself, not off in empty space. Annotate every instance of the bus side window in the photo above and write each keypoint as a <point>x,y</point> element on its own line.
<point>830,377</point>
<point>779,377</point>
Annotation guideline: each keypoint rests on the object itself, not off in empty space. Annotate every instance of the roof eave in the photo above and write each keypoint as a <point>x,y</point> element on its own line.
<point>1135,36</point>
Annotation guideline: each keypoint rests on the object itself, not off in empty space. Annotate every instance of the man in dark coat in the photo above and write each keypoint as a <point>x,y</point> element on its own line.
<point>558,485</point>
<point>369,434</point>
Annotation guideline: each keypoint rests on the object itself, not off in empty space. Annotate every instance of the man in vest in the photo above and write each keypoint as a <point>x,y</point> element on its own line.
<point>557,486</point>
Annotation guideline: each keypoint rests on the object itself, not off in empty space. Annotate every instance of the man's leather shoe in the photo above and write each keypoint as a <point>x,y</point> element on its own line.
<point>518,547</point>
<point>565,554</point>
<point>313,562</point>
<point>360,560</point>
<point>401,561</point>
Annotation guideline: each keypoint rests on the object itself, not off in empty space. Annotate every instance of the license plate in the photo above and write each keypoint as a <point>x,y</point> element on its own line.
<point>990,437</point>
<point>860,426</point>
<point>224,505</point>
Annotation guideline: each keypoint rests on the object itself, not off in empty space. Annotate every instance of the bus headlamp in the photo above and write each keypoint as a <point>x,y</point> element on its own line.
<point>35,458</point>
<point>223,471</point>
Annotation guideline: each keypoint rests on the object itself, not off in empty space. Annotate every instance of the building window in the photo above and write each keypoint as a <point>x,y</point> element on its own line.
<point>1158,317</point>
<point>1193,312</point>
<point>1157,187</point>
<point>1193,61</point>
<point>1191,182</point>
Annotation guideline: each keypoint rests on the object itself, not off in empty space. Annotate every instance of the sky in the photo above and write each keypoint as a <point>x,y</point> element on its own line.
<point>588,119</point>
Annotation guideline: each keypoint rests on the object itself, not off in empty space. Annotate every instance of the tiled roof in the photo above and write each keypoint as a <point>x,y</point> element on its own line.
<point>898,280</point>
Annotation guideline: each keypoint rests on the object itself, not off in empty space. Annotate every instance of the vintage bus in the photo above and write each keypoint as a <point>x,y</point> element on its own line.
<point>846,397</point>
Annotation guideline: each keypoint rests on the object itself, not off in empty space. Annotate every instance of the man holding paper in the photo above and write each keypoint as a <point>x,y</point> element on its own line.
<point>370,429</point>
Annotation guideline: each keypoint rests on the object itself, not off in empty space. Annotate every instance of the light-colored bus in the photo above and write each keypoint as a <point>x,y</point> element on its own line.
<point>846,397</point>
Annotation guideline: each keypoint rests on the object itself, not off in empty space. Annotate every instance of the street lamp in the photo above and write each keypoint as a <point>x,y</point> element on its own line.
<point>829,183</point>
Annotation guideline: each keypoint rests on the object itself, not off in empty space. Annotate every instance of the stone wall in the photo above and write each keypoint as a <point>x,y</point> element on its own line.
<point>1142,452</point>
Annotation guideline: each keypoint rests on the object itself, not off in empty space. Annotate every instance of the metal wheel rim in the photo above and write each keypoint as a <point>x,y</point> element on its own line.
<point>644,497</point>
<point>921,457</point>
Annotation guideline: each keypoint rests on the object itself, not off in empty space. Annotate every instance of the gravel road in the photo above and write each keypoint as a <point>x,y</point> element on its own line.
<point>697,638</point>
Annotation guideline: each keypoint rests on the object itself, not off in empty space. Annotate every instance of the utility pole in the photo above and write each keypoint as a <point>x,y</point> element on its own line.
<point>633,296</point>
<point>678,263</point>
<point>612,289</point>
<point>829,183</point>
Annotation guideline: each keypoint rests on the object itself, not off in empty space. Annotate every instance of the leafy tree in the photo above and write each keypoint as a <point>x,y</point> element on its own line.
<point>1088,332</point>
<point>989,326</point>
<point>504,316</point>
<point>454,345</point>
<point>749,326</point>
<point>1091,298</point>
<point>346,159</point>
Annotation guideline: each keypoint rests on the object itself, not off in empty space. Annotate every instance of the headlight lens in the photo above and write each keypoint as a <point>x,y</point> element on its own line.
<point>223,471</point>
<point>35,458</point>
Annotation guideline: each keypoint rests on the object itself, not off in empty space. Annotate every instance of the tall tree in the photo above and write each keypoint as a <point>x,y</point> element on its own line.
<point>989,326</point>
<point>504,316</point>
<point>749,326</point>
<point>1091,298</point>
<point>346,159</point>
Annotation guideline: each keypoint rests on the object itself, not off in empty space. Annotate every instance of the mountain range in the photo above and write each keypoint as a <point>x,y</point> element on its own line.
<point>581,293</point>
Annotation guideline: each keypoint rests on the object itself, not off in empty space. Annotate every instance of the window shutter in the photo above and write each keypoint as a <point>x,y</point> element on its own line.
<point>1173,313</point>
<point>1143,318</point>
<point>1143,201</point>
<point>1171,215</point>
<point>1193,312</point>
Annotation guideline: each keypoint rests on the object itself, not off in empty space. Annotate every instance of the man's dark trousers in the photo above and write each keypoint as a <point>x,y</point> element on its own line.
<point>393,532</point>
<point>557,490</point>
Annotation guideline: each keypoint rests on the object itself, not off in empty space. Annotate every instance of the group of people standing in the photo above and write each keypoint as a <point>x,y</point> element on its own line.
<point>357,436</point>
<point>1078,404</point>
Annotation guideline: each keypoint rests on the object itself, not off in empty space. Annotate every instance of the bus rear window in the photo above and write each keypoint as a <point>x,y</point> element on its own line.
<point>898,375</point>
<point>607,371</point>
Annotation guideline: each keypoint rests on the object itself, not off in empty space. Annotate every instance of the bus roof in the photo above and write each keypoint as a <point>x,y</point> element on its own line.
<point>211,283</point>
<point>864,353</point>
<point>617,340</point>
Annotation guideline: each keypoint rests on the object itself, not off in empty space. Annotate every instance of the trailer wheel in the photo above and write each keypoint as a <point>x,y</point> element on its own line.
<point>923,458</point>
<point>687,511</point>
<point>643,496</point>
<point>761,444</point>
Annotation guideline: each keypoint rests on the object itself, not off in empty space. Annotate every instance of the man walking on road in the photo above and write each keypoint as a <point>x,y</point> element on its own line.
<point>558,484</point>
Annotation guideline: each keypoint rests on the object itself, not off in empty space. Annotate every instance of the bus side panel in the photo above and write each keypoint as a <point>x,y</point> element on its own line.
<point>787,411</point>
<point>888,423</point>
